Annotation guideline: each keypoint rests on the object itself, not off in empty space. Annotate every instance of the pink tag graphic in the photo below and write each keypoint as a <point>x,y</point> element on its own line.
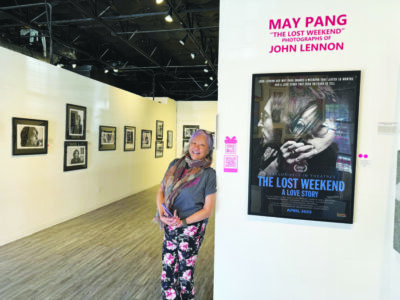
<point>230,157</point>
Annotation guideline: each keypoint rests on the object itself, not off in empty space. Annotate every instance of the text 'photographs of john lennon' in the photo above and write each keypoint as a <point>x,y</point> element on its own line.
<point>304,133</point>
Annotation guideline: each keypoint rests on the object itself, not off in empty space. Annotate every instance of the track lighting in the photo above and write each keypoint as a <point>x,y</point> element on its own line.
<point>182,41</point>
<point>159,1</point>
<point>205,70</point>
<point>206,62</point>
<point>60,65</point>
<point>192,55</point>
<point>206,84</point>
<point>115,70</point>
<point>106,71</point>
<point>73,66</point>
<point>211,78</point>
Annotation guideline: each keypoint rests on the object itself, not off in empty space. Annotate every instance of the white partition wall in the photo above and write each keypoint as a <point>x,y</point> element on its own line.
<point>35,192</point>
<point>284,259</point>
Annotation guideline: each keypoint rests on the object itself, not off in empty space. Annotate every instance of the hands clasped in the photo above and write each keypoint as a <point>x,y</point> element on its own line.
<point>173,221</point>
<point>294,152</point>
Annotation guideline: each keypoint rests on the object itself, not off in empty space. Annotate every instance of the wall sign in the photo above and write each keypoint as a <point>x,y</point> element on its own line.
<point>303,145</point>
<point>307,34</point>
<point>230,157</point>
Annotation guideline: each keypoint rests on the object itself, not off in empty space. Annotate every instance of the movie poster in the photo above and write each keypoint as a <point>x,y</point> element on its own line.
<point>303,145</point>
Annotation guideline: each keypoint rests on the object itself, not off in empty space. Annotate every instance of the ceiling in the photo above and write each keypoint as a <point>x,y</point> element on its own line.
<point>124,43</point>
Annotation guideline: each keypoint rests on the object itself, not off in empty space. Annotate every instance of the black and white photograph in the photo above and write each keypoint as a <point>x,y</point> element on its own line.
<point>159,149</point>
<point>75,156</point>
<point>159,130</point>
<point>146,139</point>
<point>303,145</point>
<point>129,138</point>
<point>170,139</point>
<point>107,138</point>
<point>75,122</point>
<point>188,130</point>
<point>185,145</point>
<point>29,136</point>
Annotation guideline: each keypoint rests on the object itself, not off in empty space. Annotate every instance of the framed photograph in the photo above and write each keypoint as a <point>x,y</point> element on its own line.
<point>302,157</point>
<point>146,139</point>
<point>75,156</point>
<point>159,149</point>
<point>75,128</point>
<point>29,136</point>
<point>107,138</point>
<point>129,138</point>
<point>170,139</point>
<point>159,130</point>
<point>188,130</point>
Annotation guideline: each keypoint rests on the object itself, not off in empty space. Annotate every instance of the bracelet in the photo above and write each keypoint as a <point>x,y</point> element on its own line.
<point>184,223</point>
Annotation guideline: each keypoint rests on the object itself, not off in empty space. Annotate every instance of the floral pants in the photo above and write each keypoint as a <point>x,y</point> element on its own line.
<point>180,248</point>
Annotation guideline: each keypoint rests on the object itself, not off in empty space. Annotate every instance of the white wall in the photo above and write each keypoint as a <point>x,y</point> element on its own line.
<point>35,192</point>
<point>282,259</point>
<point>202,113</point>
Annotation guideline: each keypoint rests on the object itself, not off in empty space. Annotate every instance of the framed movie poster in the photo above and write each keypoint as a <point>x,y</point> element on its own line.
<point>75,156</point>
<point>107,138</point>
<point>170,140</point>
<point>159,149</point>
<point>29,136</point>
<point>146,139</point>
<point>159,129</point>
<point>75,128</point>
<point>303,145</point>
<point>129,138</point>
<point>188,130</point>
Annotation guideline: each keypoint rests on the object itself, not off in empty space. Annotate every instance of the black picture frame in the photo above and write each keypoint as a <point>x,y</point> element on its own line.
<point>29,136</point>
<point>302,159</point>
<point>159,130</point>
<point>188,130</point>
<point>75,155</point>
<point>129,138</point>
<point>107,138</point>
<point>159,149</point>
<point>170,139</point>
<point>146,137</point>
<point>75,122</point>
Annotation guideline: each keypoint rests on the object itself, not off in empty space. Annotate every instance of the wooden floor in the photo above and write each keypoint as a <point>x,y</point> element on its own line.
<point>111,253</point>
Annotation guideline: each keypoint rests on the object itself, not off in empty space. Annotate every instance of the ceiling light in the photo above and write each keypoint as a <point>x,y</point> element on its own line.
<point>116,70</point>
<point>211,78</point>
<point>60,65</point>
<point>73,66</point>
<point>168,18</point>
<point>206,84</point>
<point>106,71</point>
<point>182,41</point>
<point>206,62</point>
<point>192,55</point>
<point>159,1</point>
<point>205,70</point>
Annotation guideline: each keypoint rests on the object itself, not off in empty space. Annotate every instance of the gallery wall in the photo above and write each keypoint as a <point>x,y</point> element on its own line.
<point>35,191</point>
<point>283,259</point>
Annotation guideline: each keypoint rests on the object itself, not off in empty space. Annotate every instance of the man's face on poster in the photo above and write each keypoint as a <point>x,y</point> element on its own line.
<point>265,122</point>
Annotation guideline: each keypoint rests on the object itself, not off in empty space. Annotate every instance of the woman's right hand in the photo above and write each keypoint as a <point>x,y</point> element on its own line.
<point>170,221</point>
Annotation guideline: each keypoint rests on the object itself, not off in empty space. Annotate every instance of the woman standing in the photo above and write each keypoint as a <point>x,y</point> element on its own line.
<point>188,190</point>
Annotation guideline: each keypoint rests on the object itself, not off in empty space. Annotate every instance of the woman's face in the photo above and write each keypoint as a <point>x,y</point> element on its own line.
<point>33,137</point>
<point>76,154</point>
<point>198,147</point>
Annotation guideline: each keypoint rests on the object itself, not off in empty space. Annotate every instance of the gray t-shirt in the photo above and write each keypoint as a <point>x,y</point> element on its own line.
<point>192,197</point>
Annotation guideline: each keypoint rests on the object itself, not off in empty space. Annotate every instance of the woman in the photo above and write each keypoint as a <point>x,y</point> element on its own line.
<point>188,190</point>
